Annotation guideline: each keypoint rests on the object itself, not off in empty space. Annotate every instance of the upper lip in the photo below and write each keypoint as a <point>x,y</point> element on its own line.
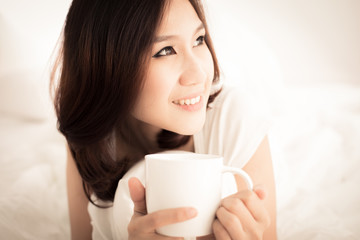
<point>190,96</point>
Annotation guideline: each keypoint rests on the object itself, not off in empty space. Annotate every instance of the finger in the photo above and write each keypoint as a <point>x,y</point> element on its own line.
<point>137,193</point>
<point>165,217</point>
<point>207,237</point>
<point>238,208</point>
<point>260,191</point>
<point>219,231</point>
<point>254,205</point>
<point>230,223</point>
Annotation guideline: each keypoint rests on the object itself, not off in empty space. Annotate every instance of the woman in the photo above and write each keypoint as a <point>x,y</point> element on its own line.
<point>138,77</point>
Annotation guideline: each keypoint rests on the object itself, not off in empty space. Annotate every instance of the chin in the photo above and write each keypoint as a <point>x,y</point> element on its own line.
<point>189,129</point>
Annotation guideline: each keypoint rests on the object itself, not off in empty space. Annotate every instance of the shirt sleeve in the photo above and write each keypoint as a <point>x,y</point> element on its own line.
<point>237,123</point>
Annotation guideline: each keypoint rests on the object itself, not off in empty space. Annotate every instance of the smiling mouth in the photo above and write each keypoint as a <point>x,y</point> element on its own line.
<point>188,102</point>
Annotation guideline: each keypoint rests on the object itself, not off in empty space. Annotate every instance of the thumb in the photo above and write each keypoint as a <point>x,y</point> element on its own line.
<point>137,193</point>
<point>260,191</point>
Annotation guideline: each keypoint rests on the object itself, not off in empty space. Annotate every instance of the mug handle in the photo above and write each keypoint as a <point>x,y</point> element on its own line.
<point>240,172</point>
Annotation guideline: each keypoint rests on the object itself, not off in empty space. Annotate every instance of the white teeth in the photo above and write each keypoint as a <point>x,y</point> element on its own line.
<point>188,101</point>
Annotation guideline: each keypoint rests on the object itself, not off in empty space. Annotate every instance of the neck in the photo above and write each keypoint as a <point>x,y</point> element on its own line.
<point>147,137</point>
<point>148,132</point>
<point>189,146</point>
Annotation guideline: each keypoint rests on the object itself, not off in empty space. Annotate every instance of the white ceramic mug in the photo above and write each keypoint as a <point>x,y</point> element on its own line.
<point>184,179</point>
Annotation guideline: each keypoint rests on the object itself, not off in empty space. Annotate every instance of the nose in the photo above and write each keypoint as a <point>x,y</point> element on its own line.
<point>193,71</point>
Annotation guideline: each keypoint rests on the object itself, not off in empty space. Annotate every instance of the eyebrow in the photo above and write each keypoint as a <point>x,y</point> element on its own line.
<point>167,37</point>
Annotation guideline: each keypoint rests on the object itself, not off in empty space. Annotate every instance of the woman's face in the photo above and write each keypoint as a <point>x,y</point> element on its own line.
<point>180,74</point>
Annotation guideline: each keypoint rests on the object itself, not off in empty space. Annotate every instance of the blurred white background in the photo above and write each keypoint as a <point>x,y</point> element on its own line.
<point>312,42</point>
<point>304,56</point>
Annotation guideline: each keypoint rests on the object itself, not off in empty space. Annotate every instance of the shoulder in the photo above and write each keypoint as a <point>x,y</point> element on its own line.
<point>238,102</point>
<point>236,123</point>
<point>236,108</point>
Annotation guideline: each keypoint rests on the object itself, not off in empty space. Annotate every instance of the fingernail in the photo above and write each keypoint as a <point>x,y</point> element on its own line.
<point>192,212</point>
<point>259,186</point>
<point>260,191</point>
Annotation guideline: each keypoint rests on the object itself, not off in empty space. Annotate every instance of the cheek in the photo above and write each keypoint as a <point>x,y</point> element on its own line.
<point>154,92</point>
<point>208,64</point>
<point>158,83</point>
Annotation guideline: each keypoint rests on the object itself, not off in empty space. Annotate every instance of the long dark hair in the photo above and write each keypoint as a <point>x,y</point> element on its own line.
<point>100,71</point>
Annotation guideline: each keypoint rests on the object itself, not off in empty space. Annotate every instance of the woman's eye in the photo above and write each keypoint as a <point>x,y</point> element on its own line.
<point>199,41</point>
<point>165,52</point>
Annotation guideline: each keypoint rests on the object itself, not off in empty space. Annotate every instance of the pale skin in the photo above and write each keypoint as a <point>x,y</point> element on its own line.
<point>184,68</point>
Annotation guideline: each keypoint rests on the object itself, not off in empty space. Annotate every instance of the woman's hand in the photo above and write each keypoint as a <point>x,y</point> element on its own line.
<point>143,225</point>
<point>242,216</point>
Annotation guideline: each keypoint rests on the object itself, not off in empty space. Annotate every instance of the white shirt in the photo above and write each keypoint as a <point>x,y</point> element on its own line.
<point>235,125</point>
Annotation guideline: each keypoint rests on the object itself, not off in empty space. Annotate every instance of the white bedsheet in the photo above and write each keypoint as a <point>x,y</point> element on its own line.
<point>315,147</point>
